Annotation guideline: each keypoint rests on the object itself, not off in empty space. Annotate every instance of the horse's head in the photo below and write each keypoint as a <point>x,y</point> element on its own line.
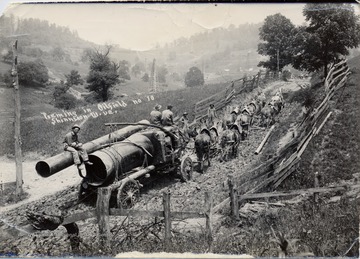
<point>228,137</point>
<point>192,132</point>
<point>228,119</point>
<point>244,118</point>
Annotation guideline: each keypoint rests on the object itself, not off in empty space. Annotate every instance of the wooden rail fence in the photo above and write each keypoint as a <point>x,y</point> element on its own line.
<point>222,98</point>
<point>272,173</point>
<point>102,212</point>
<point>236,200</point>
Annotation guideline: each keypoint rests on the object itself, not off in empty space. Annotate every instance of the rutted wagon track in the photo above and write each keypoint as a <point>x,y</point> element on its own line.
<point>185,196</point>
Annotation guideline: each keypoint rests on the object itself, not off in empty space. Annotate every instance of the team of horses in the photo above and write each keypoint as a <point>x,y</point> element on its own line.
<point>224,135</point>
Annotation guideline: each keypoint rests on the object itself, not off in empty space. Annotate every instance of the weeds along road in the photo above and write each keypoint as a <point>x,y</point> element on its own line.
<point>184,196</point>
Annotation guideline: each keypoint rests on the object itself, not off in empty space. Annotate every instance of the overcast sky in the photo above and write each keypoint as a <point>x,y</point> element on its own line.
<point>141,26</point>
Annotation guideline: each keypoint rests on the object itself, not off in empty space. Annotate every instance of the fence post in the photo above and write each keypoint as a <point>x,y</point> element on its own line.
<point>253,82</point>
<point>267,75</point>
<point>233,198</point>
<point>258,78</point>
<point>316,185</point>
<point>102,214</point>
<point>167,219</point>
<point>208,212</point>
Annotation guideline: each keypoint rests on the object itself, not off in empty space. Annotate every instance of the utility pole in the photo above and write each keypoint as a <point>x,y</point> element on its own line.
<point>278,62</point>
<point>153,77</point>
<point>17,137</point>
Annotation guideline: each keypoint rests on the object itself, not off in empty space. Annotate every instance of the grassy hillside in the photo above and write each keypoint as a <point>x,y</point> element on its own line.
<point>222,54</point>
<point>338,140</point>
<point>330,227</point>
<point>39,135</point>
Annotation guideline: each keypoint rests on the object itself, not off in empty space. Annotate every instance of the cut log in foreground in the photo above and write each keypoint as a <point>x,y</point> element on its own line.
<point>258,150</point>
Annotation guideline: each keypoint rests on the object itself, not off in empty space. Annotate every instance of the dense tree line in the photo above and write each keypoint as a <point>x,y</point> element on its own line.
<point>240,37</point>
<point>38,32</point>
<point>331,30</point>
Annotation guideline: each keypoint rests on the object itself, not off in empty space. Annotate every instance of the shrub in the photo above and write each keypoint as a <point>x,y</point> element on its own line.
<point>65,101</point>
<point>194,77</point>
<point>286,75</point>
<point>33,72</point>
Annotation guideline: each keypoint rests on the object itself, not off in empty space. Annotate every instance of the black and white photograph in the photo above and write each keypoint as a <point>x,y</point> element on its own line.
<point>179,130</point>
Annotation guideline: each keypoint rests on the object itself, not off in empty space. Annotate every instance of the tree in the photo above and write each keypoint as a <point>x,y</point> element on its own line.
<point>194,77</point>
<point>60,89</point>
<point>86,55</point>
<point>146,77</point>
<point>62,99</point>
<point>8,57</point>
<point>161,74</point>
<point>33,72</point>
<point>103,74</point>
<point>277,34</point>
<point>58,54</point>
<point>137,69</point>
<point>124,70</point>
<point>66,101</point>
<point>74,78</point>
<point>332,30</point>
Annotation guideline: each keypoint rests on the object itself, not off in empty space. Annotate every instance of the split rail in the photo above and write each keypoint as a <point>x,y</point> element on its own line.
<point>222,98</point>
<point>275,170</point>
<point>102,213</point>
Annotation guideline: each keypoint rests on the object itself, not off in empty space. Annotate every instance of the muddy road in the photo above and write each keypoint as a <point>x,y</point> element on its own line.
<point>59,192</point>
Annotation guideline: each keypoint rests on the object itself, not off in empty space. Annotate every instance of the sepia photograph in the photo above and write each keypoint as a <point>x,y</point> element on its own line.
<point>179,130</point>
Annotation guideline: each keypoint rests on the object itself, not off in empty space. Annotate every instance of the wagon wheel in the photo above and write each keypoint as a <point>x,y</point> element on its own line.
<point>186,169</point>
<point>128,194</point>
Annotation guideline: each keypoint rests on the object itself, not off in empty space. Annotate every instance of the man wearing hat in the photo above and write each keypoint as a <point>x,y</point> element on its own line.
<point>211,115</point>
<point>72,144</point>
<point>155,115</point>
<point>184,120</point>
<point>167,116</point>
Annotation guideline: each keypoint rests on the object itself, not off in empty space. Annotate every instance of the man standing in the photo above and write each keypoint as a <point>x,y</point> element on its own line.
<point>211,114</point>
<point>155,115</point>
<point>184,121</point>
<point>167,116</point>
<point>72,145</point>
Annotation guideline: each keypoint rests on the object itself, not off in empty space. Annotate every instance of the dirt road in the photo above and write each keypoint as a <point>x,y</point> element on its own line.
<point>185,196</point>
<point>35,185</point>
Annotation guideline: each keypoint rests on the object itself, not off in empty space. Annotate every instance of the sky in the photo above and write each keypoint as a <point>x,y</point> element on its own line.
<point>142,26</point>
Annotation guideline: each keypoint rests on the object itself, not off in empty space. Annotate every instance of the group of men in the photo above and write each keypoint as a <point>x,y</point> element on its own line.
<point>166,117</point>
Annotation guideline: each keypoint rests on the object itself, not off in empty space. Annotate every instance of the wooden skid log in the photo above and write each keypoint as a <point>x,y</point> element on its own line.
<point>323,123</point>
<point>132,177</point>
<point>295,192</point>
<point>290,169</point>
<point>79,216</point>
<point>302,148</point>
<point>258,150</point>
<point>153,214</point>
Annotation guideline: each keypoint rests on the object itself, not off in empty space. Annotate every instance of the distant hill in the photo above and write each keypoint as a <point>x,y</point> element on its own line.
<point>223,53</point>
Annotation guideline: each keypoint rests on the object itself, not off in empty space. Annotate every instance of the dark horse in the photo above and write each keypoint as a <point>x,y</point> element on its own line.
<point>244,120</point>
<point>202,147</point>
<point>230,140</point>
<point>267,115</point>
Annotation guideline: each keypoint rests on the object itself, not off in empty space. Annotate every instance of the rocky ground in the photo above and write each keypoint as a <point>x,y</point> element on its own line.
<point>184,196</point>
